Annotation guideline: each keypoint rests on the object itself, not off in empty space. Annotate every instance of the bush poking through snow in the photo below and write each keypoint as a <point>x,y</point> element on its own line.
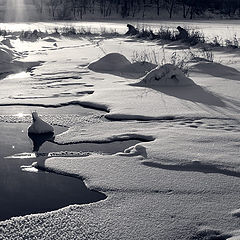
<point>180,62</point>
<point>167,75</point>
<point>194,37</point>
<point>146,56</point>
<point>232,43</point>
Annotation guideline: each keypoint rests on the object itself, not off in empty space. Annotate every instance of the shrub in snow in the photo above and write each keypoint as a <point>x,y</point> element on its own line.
<point>166,76</point>
<point>39,126</point>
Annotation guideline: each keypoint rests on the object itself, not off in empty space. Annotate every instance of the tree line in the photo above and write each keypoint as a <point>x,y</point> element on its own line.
<point>78,9</point>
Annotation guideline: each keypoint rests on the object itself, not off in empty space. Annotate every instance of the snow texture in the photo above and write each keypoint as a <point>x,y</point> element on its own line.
<point>185,177</point>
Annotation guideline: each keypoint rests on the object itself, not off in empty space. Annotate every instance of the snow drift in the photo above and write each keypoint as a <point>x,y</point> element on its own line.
<point>117,64</point>
<point>110,62</point>
<point>167,75</point>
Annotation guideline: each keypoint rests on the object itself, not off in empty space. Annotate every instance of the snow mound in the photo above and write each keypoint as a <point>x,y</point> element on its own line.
<point>137,150</point>
<point>167,75</point>
<point>110,62</point>
<point>49,40</point>
<point>119,65</point>
<point>39,126</point>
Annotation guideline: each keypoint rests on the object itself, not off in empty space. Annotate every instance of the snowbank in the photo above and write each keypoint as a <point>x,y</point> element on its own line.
<point>200,158</point>
<point>167,75</point>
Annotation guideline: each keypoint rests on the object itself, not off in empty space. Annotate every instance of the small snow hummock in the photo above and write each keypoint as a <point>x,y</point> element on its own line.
<point>116,63</point>
<point>110,62</point>
<point>167,75</point>
<point>39,126</point>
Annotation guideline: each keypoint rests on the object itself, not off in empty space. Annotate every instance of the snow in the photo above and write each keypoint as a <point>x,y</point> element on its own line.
<point>181,181</point>
<point>119,65</point>
<point>39,126</point>
<point>29,169</point>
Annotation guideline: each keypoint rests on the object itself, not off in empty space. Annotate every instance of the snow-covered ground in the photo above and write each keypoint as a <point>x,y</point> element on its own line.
<point>181,184</point>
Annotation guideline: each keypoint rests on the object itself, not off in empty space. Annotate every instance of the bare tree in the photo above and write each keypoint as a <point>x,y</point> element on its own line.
<point>158,6</point>
<point>53,5</point>
<point>169,5</point>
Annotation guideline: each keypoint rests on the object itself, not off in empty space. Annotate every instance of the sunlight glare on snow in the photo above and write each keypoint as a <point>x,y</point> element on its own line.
<point>20,75</point>
<point>21,115</point>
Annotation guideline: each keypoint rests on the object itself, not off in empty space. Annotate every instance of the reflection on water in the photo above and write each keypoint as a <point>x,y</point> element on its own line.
<point>39,139</point>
